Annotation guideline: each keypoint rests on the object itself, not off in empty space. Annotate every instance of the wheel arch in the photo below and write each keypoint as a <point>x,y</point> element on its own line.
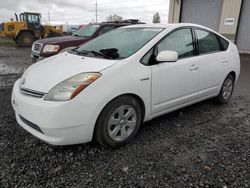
<point>23,31</point>
<point>138,98</point>
<point>233,74</point>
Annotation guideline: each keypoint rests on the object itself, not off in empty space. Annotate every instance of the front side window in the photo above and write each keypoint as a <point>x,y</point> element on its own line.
<point>120,43</point>
<point>87,31</point>
<point>33,18</point>
<point>180,41</point>
<point>207,41</point>
<point>149,58</point>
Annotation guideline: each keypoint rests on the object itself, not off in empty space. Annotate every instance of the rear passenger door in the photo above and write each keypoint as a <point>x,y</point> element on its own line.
<point>212,62</point>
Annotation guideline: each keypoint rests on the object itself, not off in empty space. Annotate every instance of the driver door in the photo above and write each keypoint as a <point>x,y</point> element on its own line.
<point>175,83</point>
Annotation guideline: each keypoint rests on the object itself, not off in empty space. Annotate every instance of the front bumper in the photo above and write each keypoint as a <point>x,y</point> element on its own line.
<point>60,123</point>
<point>35,58</point>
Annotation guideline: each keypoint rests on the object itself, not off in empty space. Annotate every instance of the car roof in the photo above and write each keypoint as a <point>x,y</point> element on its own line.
<point>173,25</point>
<point>163,26</point>
<point>119,23</point>
<point>110,23</point>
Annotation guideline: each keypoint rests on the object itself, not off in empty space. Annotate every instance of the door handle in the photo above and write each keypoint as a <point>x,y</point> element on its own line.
<point>224,61</point>
<point>193,67</point>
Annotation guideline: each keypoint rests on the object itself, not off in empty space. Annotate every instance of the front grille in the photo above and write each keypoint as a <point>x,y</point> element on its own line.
<point>32,93</point>
<point>32,125</point>
<point>37,47</point>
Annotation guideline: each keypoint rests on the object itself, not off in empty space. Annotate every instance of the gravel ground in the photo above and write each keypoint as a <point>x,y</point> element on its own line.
<point>14,59</point>
<point>204,145</point>
<point>13,62</point>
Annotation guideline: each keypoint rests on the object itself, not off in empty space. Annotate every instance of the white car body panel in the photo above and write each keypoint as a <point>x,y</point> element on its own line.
<point>160,87</point>
<point>56,70</point>
<point>169,89</point>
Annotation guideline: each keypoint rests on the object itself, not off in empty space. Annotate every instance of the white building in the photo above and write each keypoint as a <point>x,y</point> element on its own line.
<point>229,17</point>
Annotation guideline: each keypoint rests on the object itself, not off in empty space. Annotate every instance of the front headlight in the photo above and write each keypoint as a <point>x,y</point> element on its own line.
<point>50,48</point>
<point>71,87</point>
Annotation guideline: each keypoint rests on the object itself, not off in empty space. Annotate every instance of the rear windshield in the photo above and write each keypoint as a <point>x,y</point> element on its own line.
<point>87,31</point>
<point>122,42</point>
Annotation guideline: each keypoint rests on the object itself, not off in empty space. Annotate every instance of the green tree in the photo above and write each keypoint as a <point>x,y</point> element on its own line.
<point>114,18</point>
<point>156,18</point>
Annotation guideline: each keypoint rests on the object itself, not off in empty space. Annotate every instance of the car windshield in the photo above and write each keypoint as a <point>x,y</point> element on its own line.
<point>87,31</point>
<point>119,43</point>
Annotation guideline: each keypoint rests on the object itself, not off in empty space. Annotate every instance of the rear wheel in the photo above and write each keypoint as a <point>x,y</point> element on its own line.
<point>226,90</point>
<point>119,122</point>
<point>26,39</point>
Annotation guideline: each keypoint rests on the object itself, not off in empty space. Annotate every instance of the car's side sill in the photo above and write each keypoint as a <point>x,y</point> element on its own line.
<point>182,106</point>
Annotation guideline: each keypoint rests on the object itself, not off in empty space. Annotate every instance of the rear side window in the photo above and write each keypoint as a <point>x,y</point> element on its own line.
<point>208,42</point>
<point>224,43</point>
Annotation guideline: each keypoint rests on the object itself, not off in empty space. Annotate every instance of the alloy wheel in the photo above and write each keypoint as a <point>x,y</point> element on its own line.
<point>122,123</point>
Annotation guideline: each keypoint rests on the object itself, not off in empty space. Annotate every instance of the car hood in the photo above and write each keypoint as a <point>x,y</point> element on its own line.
<point>49,72</point>
<point>58,40</point>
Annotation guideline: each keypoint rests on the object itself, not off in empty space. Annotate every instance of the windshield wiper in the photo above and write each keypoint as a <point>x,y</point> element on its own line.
<point>101,54</point>
<point>86,52</point>
<point>111,52</point>
<point>79,52</point>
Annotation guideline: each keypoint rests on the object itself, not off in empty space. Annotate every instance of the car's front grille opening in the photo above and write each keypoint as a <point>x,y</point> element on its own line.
<point>32,125</point>
<point>32,93</point>
<point>37,47</point>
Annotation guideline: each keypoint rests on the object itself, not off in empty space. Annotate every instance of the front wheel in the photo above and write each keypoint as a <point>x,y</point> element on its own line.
<point>119,122</point>
<point>226,90</point>
<point>25,39</point>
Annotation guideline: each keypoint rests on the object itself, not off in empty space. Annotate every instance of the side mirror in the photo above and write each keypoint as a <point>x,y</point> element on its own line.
<point>167,56</point>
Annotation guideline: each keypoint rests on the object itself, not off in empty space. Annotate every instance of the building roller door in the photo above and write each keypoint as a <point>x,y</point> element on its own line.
<point>243,34</point>
<point>202,12</point>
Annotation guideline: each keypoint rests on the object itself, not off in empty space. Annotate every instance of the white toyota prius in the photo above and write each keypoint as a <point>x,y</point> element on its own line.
<point>104,89</point>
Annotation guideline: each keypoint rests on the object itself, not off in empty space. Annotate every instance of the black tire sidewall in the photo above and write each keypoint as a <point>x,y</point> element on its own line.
<point>101,131</point>
<point>220,97</point>
<point>21,39</point>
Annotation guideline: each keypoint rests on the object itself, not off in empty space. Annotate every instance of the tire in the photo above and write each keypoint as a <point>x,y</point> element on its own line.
<point>226,90</point>
<point>118,122</point>
<point>16,41</point>
<point>25,39</point>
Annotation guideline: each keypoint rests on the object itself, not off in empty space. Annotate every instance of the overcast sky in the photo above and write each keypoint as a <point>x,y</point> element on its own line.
<point>83,11</point>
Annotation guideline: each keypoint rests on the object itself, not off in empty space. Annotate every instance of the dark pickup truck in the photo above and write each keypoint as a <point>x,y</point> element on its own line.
<point>50,46</point>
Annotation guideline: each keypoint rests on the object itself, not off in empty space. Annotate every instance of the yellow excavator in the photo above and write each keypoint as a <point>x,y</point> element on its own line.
<point>27,28</point>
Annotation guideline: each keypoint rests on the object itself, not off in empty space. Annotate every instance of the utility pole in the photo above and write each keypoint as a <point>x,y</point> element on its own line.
<point>96,11</point>
<point>49,17</point>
